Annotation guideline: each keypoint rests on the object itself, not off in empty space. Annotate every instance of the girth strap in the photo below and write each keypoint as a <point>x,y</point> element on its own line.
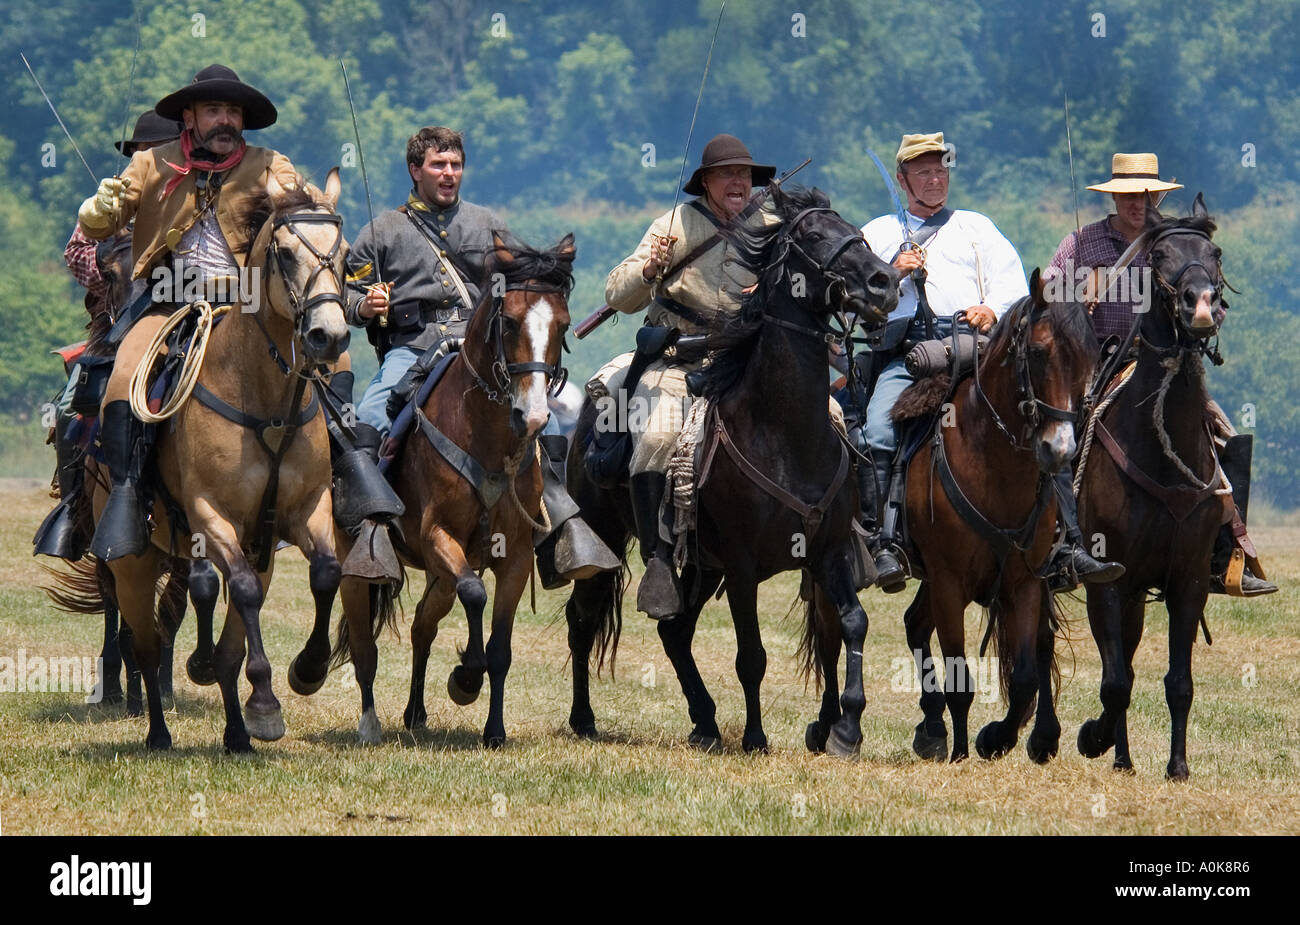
<point>489,486</point>
<point>1179,501</point>
<point>811,515</point>
<point>270,434</point>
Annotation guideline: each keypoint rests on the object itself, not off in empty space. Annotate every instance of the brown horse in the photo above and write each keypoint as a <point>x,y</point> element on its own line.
<point>216,456</point>
<point>469,478</point>
<point>985,531</point>
<point>1156,492</point>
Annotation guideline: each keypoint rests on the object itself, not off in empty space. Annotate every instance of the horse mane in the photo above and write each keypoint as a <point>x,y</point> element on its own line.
<point>548,268</point>
<point>734,344</point>
<point>1071,330</point>
<point>1202,223</point>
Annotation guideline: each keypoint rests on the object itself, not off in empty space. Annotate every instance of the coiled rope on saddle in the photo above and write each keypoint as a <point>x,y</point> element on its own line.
<point>191,366</point>
<point>681,477</point>
<point>1091,427</point>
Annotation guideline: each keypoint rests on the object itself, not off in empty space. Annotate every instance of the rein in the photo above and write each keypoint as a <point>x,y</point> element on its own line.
<point>503,373</point>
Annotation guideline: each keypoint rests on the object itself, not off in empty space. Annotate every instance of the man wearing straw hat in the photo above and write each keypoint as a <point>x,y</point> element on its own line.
<point>1135,179</point>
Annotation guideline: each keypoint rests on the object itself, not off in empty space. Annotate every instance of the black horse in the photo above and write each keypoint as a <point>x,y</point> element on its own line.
<point>1152,485</point>
<point>775,492</point>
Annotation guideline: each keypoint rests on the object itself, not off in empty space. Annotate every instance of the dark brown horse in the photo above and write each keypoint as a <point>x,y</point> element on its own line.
<point>981,515</point>
<point>1152,486</point>
<point>469,477</point>
<point>776,493</point>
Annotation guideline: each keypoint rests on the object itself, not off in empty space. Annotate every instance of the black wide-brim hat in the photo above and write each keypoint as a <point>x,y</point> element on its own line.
<point>218,82</point>
<point>725,151</point>
<point>150,128</point>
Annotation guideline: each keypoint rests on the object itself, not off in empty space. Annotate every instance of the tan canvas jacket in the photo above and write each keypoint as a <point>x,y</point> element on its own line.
<point>712,284</point>
<point>155,216</point>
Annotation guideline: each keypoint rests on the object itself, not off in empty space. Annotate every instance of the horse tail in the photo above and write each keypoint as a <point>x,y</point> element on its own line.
<point>85,586</point>
<point>383,614</point>
<point>1056,623</point>
<point>171,606</point>
<point>808,654</point>
<point>609,618</point>
<point>999,631</point>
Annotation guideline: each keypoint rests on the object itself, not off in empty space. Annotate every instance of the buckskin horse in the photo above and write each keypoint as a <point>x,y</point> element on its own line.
<point>249,435</point>
<point>987,531</point>
<point>469,476</point>
<point>774,492</point>
<point>1157,494</point>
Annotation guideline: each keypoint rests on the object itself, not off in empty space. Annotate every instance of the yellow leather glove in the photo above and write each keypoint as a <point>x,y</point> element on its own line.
<point>100,213</point>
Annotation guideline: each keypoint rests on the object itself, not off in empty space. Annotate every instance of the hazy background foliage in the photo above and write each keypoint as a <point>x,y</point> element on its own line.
<point>558,97</point>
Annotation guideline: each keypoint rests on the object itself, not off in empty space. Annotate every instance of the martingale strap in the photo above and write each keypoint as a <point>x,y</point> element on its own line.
<point>1180,500</point>
<point>489,486</point>
<point>810,514</point>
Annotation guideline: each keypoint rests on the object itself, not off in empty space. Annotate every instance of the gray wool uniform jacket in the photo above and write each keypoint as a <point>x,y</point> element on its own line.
<point>424,303</point>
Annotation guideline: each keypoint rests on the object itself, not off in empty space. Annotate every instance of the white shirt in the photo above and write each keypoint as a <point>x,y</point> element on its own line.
<point>966,250</point>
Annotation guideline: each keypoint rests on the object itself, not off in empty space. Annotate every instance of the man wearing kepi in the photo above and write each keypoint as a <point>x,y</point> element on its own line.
<point>1081,258</point>
<point>413,282</point>
<point>690,298</point>
<point>952,261</point>
<point>188,200</point>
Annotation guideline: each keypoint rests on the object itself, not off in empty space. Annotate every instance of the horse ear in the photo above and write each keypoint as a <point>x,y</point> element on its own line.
<point>274,189</point>
<point>503,254</point>
<point>1198,207</point>
<point>1037,287</point>
<point>333,186</point>
<point>567,248</point>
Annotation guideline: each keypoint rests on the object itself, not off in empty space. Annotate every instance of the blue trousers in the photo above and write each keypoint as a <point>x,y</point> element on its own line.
<point>372,409</point>
<point>894,378</point>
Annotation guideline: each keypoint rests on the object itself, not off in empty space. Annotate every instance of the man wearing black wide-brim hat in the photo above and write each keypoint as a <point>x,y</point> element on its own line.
<point>690,299</point>
<point>186,197</point>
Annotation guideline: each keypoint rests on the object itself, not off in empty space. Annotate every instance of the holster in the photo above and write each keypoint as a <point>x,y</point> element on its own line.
<point>91,382</point>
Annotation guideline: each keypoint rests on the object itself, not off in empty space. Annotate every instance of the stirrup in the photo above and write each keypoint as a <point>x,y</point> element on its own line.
<point>659,596</point>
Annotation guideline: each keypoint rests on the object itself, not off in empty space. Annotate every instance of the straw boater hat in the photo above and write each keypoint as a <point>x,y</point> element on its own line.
<point>217,82</point>
<point>724,151</point>
<point>1135,173</point>
<point>150,128</point>
<point>914,146</point>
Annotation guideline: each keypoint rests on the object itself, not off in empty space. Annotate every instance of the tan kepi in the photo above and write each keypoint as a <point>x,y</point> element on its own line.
<point>1135,173</point>
<point>913,146</point>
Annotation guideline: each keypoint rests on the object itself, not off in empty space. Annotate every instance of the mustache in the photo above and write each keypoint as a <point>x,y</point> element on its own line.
<point>221,131</point>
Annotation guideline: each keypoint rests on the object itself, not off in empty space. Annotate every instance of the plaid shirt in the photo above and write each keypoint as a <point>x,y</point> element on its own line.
<point>79,255</point>
<point>1099,245</point>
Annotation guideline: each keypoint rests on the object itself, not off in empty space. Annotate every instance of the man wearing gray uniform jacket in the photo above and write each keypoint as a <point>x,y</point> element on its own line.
<point>413,281</point>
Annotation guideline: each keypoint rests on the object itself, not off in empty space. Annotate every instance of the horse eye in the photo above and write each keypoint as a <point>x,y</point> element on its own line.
<point>286,254</point>
<point>509,325</point>
<point>1218,252</point>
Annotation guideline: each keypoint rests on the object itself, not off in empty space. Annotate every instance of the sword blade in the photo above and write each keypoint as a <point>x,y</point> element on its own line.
<point>130,83</point>
<point>691,131</point>
<point>57,118</point>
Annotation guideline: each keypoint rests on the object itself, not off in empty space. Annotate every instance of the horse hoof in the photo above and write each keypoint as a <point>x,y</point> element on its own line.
<point>494,741</point>
<point>112,696</point>
<point>584,728</point>
<point>1090,743</point>
<point>134,707</point>
<point>265,725</point>
<point>200,670</point>
<point>305,686</point>
<point>414,718</point>
<point>1041,752</point>
<point>462,696</point>
<point>930,747</point>
<point>369,732</point>
<point>1123,766</point>
<point>814,737</point>
<point>758,744</point>
<point>237,744</point>
<point>841,747</point>
<point>986,747</point>
<point>709,744</point>
<point>1177,771</point>
<point>159,741</point>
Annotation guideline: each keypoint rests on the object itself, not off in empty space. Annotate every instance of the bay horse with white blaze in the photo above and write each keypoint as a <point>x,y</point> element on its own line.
<point>986,532</point>
<point>469,476</point>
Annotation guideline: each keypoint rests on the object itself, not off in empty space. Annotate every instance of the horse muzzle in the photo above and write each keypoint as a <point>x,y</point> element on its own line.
<point>1055,447</point>
<point>325,345</point>
<point>1198,311</point>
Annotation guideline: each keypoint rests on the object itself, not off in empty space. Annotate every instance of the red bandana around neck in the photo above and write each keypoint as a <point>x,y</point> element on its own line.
<point>183,170</point>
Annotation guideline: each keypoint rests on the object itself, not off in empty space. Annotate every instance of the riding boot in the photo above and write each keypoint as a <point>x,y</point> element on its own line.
<point>1234,565</point>
<point>360,492</point>
<point>571,550</point>
<point>1072,563</point>
<point>122,530</point>
<point>58,534</point>
<point>890,576</point>
<point>659,596</point>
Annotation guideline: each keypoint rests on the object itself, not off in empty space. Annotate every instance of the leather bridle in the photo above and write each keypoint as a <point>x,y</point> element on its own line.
<point>502,373</point>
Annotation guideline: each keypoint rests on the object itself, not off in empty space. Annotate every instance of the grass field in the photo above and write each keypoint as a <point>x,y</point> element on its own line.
<point>69,768</point>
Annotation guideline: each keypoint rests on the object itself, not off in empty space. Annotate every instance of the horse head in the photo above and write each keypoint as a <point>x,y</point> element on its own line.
<point>842,274</point>
<point>1185,266</point>
<point>517,333</point>
<point>299,250</point>
<point>1048,352</point>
